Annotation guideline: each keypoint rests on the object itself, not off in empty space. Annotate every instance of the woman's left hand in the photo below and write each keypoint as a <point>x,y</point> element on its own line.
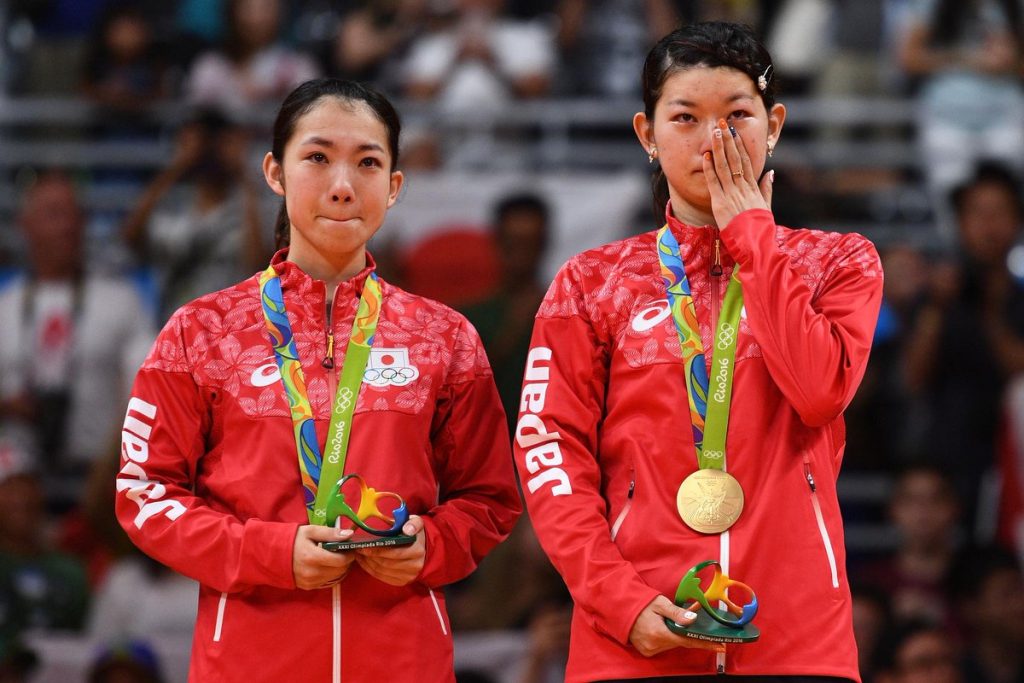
<point>730,177</point>
<point>397,566</point>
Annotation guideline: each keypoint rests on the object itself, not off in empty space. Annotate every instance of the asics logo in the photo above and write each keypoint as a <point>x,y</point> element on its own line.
<point>265,375</point>
<point>651,316</point>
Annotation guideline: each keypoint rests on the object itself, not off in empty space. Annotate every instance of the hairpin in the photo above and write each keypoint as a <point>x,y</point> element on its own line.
<point>762,80</point>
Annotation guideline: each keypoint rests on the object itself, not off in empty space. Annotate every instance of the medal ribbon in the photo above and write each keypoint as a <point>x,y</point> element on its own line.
<point>313,467</point>
<point>709,401</point>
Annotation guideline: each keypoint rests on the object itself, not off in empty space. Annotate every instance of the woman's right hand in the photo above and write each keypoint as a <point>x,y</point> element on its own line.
<point>650,636</point>
<point>314,567</point>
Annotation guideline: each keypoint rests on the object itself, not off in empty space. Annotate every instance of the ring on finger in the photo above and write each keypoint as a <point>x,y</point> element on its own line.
<point>736,174</point>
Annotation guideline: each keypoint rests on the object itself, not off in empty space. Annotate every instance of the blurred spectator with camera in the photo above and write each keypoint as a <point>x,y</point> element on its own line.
<point>198,222</point>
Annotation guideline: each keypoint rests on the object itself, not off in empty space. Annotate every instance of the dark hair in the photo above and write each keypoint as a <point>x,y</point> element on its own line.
<point>307,96</point>
<point>521,202</point>
<point>951,18</point>
<point>987,172</point>
<point>710,44</point>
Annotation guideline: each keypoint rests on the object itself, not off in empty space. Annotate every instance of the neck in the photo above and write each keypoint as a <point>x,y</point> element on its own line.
<point>333,269</point>
<point>689,214</point>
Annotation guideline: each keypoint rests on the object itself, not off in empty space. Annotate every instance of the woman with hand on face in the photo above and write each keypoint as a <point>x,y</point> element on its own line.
<point>233,434</point>
<point>684,392</point>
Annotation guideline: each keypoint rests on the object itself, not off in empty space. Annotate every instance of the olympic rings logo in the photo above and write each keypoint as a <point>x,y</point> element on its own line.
<point>726,336</point>
<point>344,400</point>
<point>397,376</point>
<point>714,455</point>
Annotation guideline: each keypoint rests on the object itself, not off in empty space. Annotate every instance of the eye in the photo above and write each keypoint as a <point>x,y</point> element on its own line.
<point>370,162</point>
<point>739,114</point>
<point>318,157</point>
<point>686,117</point>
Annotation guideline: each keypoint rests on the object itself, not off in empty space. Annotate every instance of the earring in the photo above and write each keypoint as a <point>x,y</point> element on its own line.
<point>652,155</point>
<point>771,149</point>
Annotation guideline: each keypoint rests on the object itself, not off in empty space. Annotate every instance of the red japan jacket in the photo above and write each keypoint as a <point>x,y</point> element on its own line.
<point>210,479</point>
<point>604,440</point>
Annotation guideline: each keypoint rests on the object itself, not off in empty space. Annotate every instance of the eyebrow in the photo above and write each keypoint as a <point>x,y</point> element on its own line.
<point>734,98</point>
<point>324,142</point>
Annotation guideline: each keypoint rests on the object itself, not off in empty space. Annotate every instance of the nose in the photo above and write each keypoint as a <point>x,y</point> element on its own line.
<point>705,145</point>
<point>341,188</point>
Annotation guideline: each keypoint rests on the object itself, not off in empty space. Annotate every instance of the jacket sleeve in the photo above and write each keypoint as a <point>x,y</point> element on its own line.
<point>478,503</point>
<point>162,444</point>
<point>815,343</point>
<point>555,445</point>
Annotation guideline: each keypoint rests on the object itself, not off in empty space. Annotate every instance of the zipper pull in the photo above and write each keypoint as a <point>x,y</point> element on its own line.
<point>716,265</point>
<point>809,477</point>
<point>328,362</point>
<point>632,486</point>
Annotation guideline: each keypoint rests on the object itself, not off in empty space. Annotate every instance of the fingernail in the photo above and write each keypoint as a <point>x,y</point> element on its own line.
<point>707,156</point>
<point>690,615</point>
<point>732,131</point>
<point>722,123</point>
<point>718,132</point>
<point>771,176</point>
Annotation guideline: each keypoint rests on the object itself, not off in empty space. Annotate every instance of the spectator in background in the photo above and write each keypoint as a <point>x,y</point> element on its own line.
<point>604,42</point>
<point>871,618</point>
<point>123,73</point>
<point>141,598</point>
<point>504,320</point>
<point>58,42</point>
<point>39,588</point>
<point>968,56</point>
<point>986,592</point>
<point>924,510</point>
<point>883,421</point>
<point>198,222</point>
<point>374,37</point>
<point>253,67</point>
<point>919,652</point>
<point>70,341</point>
<point>472,58</point>
<point>132,661</point>
<point>968,337</point>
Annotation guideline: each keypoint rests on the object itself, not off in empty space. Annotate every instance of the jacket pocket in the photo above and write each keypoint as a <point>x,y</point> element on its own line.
<point>624,512</point>
<point>819,519</point>
<point>218,627</point>
<point>439,612</point>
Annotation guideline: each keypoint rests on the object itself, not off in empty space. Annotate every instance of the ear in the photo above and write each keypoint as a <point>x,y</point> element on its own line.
<point>644,130</point>
<point>273,173</point>
<point>397,180</point>
<point>776,117</point>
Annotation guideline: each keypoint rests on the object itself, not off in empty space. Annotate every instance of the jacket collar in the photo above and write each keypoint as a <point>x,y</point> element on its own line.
<point>293,277</point>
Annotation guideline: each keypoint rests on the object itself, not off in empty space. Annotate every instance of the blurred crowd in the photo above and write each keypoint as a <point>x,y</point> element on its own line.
<point>937,429</point>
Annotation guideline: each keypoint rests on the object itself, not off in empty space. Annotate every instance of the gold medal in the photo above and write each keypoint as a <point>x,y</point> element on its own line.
<point>710,501</point>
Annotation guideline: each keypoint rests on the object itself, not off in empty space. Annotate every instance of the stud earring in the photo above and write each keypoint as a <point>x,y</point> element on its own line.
<point>652,155</point>
<point>771,149</point>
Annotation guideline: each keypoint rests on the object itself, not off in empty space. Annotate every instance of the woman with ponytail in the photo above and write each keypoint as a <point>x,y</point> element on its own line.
<point>254,395</point>
<point>684,395</point>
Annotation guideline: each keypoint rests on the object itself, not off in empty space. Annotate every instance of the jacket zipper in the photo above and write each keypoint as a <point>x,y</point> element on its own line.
<point>336,633</point>
<point>825,539</point>
<point>625,508</point>
<point>715,270</point>
<point>328,361</point>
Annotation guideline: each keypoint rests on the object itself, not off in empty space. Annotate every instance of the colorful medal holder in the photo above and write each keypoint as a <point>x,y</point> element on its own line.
<point>366,501</point>
<point>731,625</point>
